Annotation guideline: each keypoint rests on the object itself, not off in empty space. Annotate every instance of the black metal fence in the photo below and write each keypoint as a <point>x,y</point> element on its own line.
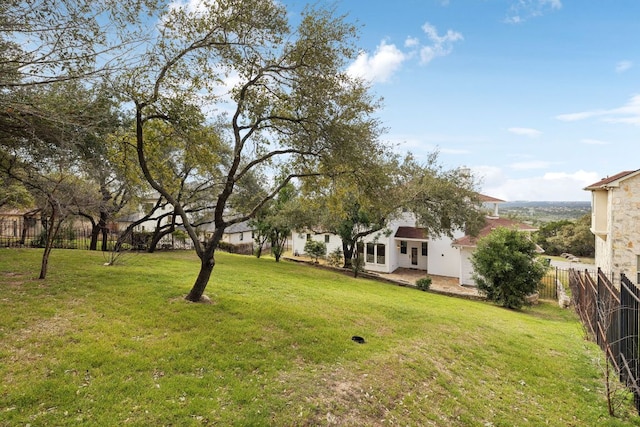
<point>610,316</point>
<point>81,238</point>
<point>549,286</point>
<point>67,238</point>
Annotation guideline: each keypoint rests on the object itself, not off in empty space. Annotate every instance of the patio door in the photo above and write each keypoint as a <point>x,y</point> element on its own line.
<point>414,256</point>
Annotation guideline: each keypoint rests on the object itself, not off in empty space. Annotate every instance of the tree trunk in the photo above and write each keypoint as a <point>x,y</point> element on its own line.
<point>207,262</point>
<point>206,268</point>
<point>157,236</point>
<point>347,250</point>
<point>52,232</point>
<point>105,239</point>
<point>95,232</point>
<point>277,246</point>
<point>104,231</point>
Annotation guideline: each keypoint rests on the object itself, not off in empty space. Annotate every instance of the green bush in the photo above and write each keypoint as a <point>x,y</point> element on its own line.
<point>424,284</point>
<point>507,268</point>
<point>335,258</point>
<point>315,249</point>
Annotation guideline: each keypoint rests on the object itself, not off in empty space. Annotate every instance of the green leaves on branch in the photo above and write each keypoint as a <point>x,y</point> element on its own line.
<point>506,267</point>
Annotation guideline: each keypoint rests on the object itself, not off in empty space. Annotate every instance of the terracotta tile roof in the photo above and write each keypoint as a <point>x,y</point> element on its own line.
<point>608,180</point>
<point>411,233</point>
<point>490,225</point>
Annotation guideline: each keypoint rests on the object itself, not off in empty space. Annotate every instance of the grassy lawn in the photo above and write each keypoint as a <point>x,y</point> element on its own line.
<point>110,346</point>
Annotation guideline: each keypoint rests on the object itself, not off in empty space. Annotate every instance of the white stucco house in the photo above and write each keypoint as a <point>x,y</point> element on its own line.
<point>404,244</point>
<point>239,233</point>
<point>615,223</point>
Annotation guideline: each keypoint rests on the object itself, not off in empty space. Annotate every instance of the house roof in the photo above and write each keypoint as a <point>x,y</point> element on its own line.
<point>612,181</point>
<point>490,225</point>
<point>240,227</point>
<point>485,198</point>
<point>411,233</point>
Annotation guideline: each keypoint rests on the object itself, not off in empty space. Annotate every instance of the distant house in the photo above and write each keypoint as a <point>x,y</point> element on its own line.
<point>615,223</point>
<point>404,244</point>
<point>17,225</point>
<point>239,233</point>
<point>161,216</point>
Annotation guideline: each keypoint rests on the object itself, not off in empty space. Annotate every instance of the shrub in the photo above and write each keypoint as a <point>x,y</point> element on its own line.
<point>335,258</point>
<point>507,268</point>
<point>315,249</point>
<point>357,265</point>
<point>424,284</point>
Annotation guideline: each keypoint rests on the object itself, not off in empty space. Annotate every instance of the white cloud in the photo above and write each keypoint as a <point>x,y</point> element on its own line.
<point>380,66</point>
<point>440,45</point>
<point>411,42</point>
<point>190,6</point>
<point>628,113</point>
<point>574,117</point>
<point>523,10</point>
<point>551,186</point>
<point>531,133</point>
<point>623,66</point>
<point>388,58</point>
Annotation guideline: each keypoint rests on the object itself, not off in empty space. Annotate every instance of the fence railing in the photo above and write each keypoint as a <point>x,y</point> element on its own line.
<point>610,316</point>
<point>549,284</point>
<point>80,238</point>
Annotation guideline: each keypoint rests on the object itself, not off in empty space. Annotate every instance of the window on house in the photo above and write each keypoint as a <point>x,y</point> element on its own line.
<point>403,247</point>
<point>425,250</point>
<point>308,236</point>
<point>360,249</point>
<point>241,237</point>
<point>370,252</point>
<point>380,253</point>
<point>326,238</point>
<point>253,234</point>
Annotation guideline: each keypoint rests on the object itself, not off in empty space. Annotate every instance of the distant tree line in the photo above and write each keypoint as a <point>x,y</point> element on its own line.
<point>566,236</point>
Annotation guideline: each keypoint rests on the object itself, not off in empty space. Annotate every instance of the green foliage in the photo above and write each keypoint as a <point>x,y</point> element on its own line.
<point>424,283</point>
<point>275,221</point>
<point>572,237</point>
<point>13,195</point>
<point>335,258</point>
<point>507,268</point>
<point>315,249</point>
<point>180,235</point>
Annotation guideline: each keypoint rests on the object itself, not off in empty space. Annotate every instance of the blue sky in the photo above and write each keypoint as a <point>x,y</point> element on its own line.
<point>540,98</point>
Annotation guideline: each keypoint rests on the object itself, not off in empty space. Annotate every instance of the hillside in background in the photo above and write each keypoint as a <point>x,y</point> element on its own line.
<point>543,212</point>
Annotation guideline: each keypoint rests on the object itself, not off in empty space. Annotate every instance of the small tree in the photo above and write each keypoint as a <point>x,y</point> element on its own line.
<point>335,258</point>
<point>315,249</point>
<point>506,267</point>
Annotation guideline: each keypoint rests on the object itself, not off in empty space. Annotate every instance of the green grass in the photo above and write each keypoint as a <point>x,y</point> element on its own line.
<point>97,345</point>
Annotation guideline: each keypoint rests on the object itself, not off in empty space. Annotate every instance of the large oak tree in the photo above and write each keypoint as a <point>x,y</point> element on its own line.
<point>291,112</point>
